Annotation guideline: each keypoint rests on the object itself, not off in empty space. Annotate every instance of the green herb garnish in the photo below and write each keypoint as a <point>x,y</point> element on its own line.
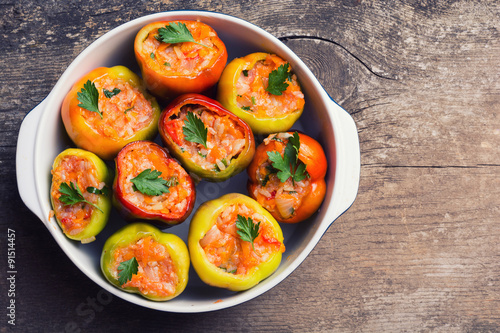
<point>245,72</point>
<point>89,97</point>
<point>253,100</point>
<point>289,165</point>
<point>277,80</point>
<point>149,182</point>
<point>127,110</point>
<point>225,270</point>
<point>126,270</point>
<point>94,190</point>
<point>247,230</point>
<point>167,64</point>
<point>112,93</point>
<point>194,129</point>
<point>246,108</point>
<point>71,194</point>
<point>174,33</point>
<point>152,55</point>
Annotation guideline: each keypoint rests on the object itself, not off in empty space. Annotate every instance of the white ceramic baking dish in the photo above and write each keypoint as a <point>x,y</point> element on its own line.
<point>42,137</point>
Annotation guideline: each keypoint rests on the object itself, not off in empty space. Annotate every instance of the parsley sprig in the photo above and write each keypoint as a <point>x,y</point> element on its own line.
<point>149,182</point>
<point>71,194</point>
<point>277,80</point>
<point>247,230</point>
<point>289,164</point>
<point>194,129</point>
<point>175,33</point>
<point>126,270</point>
<point>111,93</point>
<point>104,191</point>
<point>89,97</point>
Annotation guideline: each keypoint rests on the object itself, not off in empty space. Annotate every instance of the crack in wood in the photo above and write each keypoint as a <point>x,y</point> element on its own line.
<point>286,38</point>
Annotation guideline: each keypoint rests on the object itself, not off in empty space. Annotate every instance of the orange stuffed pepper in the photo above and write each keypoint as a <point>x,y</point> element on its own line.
<point>287,176</point>
<point>179,57</point>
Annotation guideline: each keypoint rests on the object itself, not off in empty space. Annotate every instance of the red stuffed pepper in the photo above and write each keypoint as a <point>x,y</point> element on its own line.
<point>108,108</point>
<point>178,57</point>
<point>208,140</point>
<point>150,185</point>
<point>287,175</point>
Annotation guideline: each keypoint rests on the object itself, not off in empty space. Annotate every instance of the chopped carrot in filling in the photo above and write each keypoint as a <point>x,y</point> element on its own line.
<point>82,172</point>
<point>124,114</point>
<point>175,202</point>
<point>183,59</point>
<point>156,273</point>
<point>284,198</point>
<point>225,249</point>
<point>225,138</point>
<point>251,94</point>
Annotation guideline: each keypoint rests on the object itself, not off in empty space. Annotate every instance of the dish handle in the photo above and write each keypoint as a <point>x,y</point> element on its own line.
<point>25,173</point>
<point>348,160</point>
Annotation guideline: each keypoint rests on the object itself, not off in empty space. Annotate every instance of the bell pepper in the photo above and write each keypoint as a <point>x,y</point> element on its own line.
<point>208,140</point>
<point>172,66</point>
<point>151,186</point>
<point>141,259</point>
<point>245,89</point>
<point>80,194</point>
<point>234,243</point>
<point>290,185</point>
<point>108,108</point>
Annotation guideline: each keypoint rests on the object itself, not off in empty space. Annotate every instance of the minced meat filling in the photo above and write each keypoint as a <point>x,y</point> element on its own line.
<point>225,138</point>
<point>143,157</point>
<point>156,273</point>
<point>251,94</point>
<point>183,59</point>
<point>124,114</point>
<point>225,249</point>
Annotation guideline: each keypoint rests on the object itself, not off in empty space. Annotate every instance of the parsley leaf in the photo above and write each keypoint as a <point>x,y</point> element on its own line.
<point>127,269</point>
<point>71,194</point>
<point>149,182</point>
<point>175,33</point>
<point>112,93</point>
<point>247,230</point>
<point>94,190</point>
<point>289,165</point>
<point>89,97</point>
<point>194,129</point>
<point>277,80</point>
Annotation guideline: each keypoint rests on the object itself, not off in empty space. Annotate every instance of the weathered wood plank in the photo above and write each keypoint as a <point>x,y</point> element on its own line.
<point>418,251</point>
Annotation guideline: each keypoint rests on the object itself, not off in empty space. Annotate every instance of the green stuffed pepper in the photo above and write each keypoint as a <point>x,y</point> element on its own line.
<point>141,259</point>
<point>234,243</point>
<point>80,194</point>
<point>261,89</point>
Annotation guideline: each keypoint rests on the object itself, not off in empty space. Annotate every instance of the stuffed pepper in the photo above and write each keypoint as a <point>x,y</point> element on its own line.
<point>287,176</point>
<point>261,89</point>
<point>149,185</point>
<point>141,259</point>
<point>80,194</point>
<point>179,57</point>
<point>108,108</point>
<point>208,140</point>
<point>234,243</point>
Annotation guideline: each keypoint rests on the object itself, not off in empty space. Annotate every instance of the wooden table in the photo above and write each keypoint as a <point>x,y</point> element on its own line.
<point>420,248</point>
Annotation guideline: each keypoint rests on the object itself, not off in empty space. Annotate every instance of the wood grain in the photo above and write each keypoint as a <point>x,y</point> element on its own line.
<point>418,250</point>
